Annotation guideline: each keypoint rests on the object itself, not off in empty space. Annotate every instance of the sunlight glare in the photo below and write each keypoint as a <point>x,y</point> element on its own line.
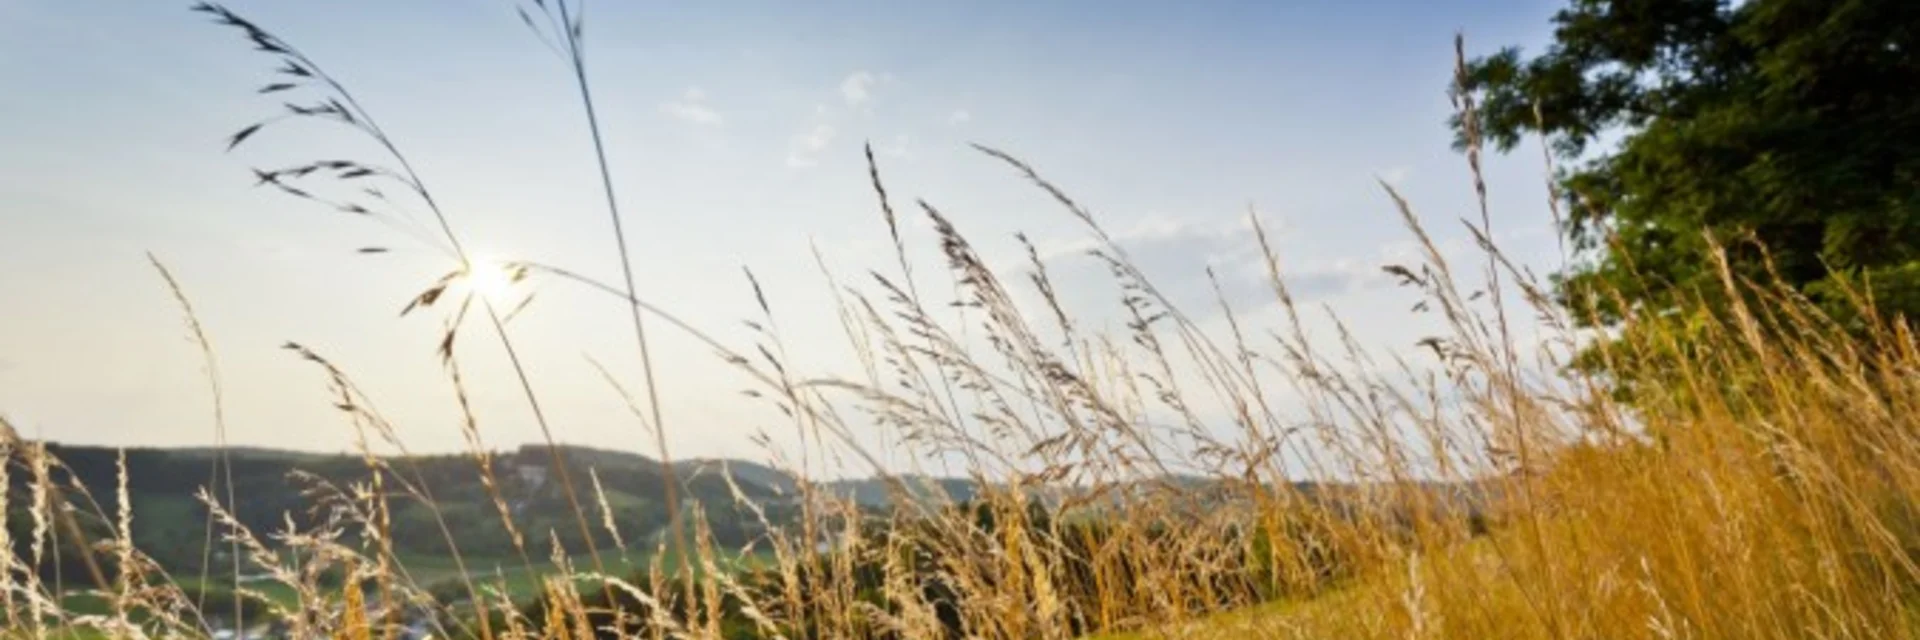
<point>490,279</point>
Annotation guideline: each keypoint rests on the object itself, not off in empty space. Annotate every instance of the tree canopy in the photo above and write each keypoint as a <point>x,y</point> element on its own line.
<point>1788,129</point>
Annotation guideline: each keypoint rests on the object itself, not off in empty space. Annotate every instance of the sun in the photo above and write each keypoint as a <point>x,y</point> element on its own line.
<point>490,279</point>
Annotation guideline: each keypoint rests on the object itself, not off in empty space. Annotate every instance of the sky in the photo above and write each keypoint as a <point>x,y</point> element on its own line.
<point>734,132</point>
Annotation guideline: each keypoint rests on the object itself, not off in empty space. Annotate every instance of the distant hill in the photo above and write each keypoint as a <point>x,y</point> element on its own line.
<point>256,453</point>
<point>272,485</point>
<point>874,493</point>
<point>879,492</point>
<point>743,472</point>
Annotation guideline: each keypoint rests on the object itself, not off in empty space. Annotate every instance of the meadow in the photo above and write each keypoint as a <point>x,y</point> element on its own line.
<point>1747,467</point>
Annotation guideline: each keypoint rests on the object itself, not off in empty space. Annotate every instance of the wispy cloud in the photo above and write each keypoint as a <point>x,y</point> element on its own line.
<point>805,148</point>
<point>1394,176</point>
<point>1177,252</point>
<point>857,89</point>
<point>899,146</point>
<point>692,107</point>
<point>959,117</point>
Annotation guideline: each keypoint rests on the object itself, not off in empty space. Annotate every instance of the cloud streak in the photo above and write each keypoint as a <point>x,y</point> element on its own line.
<point>1175,255</point>
<point>692,107</point>
<point>899,146</point>
<point>857,88</point>
<point>803,151</point>
<point>1394,176</point>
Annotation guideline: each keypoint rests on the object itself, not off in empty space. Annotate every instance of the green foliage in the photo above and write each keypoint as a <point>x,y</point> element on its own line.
<point>63,558</point>
<point>219,601</point>
<point>1785,124</point>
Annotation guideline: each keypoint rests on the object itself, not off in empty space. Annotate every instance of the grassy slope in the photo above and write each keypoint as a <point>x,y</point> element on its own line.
<point>1322,616</point>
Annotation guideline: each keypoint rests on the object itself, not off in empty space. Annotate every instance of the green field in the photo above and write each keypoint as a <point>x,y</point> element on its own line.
<point>491,575</point>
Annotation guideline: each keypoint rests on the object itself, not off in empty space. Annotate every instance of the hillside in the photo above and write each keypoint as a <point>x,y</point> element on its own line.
<point>313,490</point>
<point>318,491</point>
<point>872,492</point>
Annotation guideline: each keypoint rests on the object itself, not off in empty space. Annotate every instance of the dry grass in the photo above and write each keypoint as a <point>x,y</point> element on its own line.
<point>1762,484</point>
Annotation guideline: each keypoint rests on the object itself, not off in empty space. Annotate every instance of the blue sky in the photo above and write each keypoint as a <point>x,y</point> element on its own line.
<point>735,131</point>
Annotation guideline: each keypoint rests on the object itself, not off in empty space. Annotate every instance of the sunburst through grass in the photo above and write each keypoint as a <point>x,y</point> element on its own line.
<point>492,280</point>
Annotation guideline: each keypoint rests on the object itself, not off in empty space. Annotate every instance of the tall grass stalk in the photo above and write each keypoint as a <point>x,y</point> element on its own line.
<point>221,473</point>
<point>572,28</point>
